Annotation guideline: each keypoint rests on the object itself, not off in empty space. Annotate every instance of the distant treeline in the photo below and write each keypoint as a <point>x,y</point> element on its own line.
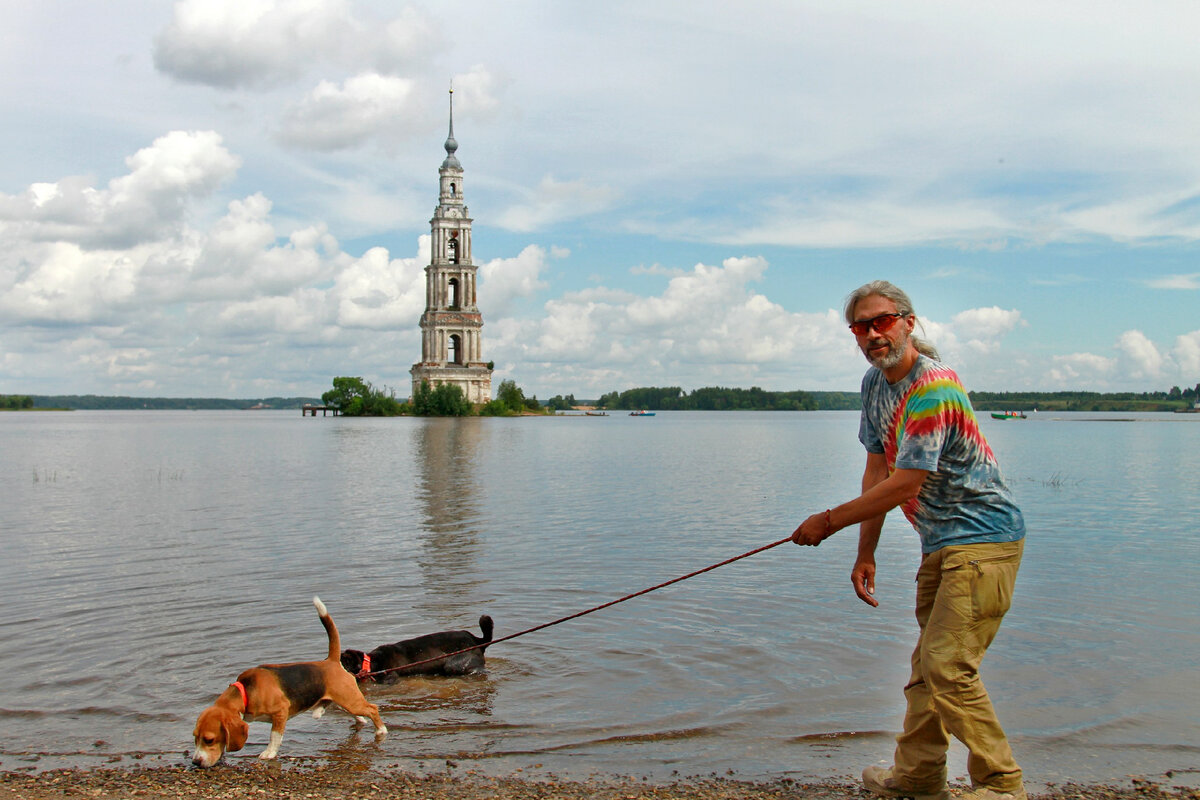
<point>1086,401</point>
<point>92,401</point>
<point>717,398</point>
<point>673,398</point>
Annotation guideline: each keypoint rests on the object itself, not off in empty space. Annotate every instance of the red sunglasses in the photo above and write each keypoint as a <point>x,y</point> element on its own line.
<point>881,324</point>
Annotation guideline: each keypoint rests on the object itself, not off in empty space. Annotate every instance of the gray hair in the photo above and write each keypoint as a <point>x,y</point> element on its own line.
<point>903,304</point>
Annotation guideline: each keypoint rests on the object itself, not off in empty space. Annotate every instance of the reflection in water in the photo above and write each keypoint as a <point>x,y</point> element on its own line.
<point>437,693</point>
<point>449,496</point>
<point>440,552</point>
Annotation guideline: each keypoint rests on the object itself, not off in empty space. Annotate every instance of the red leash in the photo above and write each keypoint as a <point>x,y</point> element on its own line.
<point>581,613</point>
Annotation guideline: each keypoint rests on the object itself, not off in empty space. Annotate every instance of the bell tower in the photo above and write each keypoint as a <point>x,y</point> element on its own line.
<point>452,327</point>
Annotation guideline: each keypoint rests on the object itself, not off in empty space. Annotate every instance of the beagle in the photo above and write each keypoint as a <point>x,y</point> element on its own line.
<point>275,693</point>
<point>424,651</point>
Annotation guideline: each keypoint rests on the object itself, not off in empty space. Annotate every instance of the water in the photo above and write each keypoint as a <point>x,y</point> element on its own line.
<point>148,557</point>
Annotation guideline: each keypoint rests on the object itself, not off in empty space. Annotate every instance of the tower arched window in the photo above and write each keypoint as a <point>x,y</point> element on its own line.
<point>452,250</point>
<point>455,349</point>
<point>455,300</point>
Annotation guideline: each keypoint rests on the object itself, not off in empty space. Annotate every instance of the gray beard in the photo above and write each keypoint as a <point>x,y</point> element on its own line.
<point>893,357</point>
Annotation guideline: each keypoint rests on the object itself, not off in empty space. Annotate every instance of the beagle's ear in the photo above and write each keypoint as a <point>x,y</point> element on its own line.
<point>236,731</point>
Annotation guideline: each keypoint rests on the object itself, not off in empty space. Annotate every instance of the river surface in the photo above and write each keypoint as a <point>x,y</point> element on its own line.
<point>146,558</point>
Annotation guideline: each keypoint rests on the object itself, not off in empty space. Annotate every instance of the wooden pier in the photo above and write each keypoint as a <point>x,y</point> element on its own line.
<point>309,408</point>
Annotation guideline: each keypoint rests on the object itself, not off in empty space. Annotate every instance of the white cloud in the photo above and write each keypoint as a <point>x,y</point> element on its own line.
<point>335,117</point>
<point>987,323</point>
<point>407,39</point>
<point>60,282</point>
<point>475,92</point>
<point>504,280</point>
<point>706,328</point>
<point>1139,214</point>
<point>381,293</point>
<point>150,201</point>
<point>982,330</point>
<point>303,314</point>
<point>1061,279</point>
<point>262,43</point>
<point>241,255</point>
<point>1077,370</point>
<point>193,301</point>
<point>1187,355</point>
<point>1136,363</point>
<point>886,219</point>
<point>1187,282</point>
<point>1138,357</point>
<point>73,253</point>
<point>553,202</point>
<point>233,43</point>
<point>704,288</point>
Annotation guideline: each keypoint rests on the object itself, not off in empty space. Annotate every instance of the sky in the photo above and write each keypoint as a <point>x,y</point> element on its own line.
<point>231,198</point>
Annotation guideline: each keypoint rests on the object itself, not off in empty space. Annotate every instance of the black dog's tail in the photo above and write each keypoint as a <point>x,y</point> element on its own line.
<point>485,625</point>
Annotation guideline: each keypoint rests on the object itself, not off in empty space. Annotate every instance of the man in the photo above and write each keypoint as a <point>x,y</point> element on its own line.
<point>926,454</point>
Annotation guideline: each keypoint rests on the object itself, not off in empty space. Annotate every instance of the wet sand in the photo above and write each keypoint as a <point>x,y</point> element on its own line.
<point>344,781</point>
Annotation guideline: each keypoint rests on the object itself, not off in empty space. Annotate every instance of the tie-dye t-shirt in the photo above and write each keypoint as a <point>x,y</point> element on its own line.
<point>925,421</point>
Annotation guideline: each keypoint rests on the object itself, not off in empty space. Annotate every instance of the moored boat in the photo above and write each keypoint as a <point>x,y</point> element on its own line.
<point>1008,415</point>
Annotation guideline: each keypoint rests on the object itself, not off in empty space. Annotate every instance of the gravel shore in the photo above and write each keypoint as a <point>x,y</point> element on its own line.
<point>337,782</point>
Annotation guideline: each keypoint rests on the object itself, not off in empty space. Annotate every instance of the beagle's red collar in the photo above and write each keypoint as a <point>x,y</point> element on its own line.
<point>242,691</point>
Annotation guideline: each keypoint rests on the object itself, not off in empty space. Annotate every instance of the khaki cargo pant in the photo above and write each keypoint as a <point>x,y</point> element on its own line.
<point>963,593</point>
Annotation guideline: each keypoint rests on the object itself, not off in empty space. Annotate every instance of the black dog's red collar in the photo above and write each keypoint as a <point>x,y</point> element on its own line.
<point>365,669</point>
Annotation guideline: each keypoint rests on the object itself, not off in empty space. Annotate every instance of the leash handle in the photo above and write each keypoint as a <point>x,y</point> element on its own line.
<point>585,612</point>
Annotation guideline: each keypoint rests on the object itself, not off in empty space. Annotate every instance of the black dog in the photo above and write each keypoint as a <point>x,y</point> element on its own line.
<point>390,657</point>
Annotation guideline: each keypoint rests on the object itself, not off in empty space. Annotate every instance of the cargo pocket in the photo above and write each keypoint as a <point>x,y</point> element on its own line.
<point>992,584</point>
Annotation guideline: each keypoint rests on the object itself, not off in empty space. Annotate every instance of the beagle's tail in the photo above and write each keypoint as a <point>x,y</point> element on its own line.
<point>485,625</point>
<point>335,641</point>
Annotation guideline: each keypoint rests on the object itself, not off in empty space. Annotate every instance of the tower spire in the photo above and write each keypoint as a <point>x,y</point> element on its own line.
<point>451,144</point>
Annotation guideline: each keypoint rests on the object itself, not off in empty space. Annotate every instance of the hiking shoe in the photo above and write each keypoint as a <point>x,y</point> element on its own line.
<point>879,782</point>
<point>984,793</point>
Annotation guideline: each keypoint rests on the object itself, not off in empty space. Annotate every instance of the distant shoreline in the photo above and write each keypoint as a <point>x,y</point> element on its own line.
<point>92,402</point>
<point>581,411</point>
<point>671,399</point>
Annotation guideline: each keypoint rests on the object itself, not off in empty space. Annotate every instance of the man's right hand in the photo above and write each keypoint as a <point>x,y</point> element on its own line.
<point>863,578</point>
